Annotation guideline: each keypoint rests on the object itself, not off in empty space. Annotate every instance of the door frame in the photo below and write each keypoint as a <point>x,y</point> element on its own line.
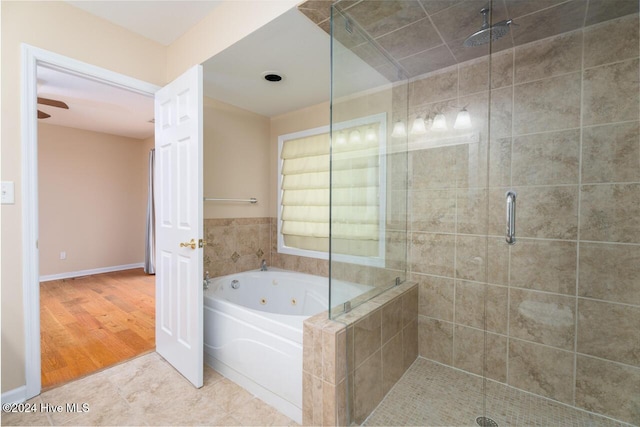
<point>31,58</point>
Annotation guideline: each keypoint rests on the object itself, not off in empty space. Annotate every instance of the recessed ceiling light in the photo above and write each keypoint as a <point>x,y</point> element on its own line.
<point>272,76</point>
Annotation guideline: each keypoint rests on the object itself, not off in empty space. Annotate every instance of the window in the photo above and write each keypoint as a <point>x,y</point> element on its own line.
<point>358,199</point>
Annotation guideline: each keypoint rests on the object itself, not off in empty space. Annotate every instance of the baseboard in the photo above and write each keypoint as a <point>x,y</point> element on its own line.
<point>81,273</point>
<point>17,395</point>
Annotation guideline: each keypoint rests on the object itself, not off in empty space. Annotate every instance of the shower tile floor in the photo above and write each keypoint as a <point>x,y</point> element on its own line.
<point>148,391</point>
<point>430,394</point>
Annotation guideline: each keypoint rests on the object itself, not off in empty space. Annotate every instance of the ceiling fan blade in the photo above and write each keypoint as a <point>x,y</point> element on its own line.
<point>43,115</point>
<point>52,103</point>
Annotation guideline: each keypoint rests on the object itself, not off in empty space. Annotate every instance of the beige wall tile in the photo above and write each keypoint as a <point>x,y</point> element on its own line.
<point>546,159</point>
<point>437,87</point>
<point>602,10</point>
<point>367,392</point>
<point>543,318</point>
<point>482,306</point>
<point>387,17</point>
<point>610,213</point>
<point>608,388</point>
<point>474,254</point>
<point>548,58</point>
<point>611,41</point>
<point>610,93</point>
<point>391,319</point>
<point>502,112</point>
<point>329,357</point>
<point>435,340</point>
<point>479,353</point>
<point>317,399</point>
<point>247,239</point>
<point>424,62</point>
<point>367,336</point>
<point>392,362</point>
<point>610,272</point>
<point>437,167</point>
<point>307,399</point>
<point>341,403</point>
<point>544,265</point>
<point>317,367</point>
<point>546,212</point>
<point>609,330</point>
<point>308,345</point>
<point>410,343</point>
<point>410,301</point>
<point>411,39</point>
<point>433,210</point>
<point>477,105</point>
<point>471,258</point>
<point>432,253</point>
<point>548,22</point>
<point>471,211</point>
<point>474,77</point>
<point>498,262</point>
<point>221,239</point>
<point>542,370</point>
<point>436,297</point>
<point>547,105</point>
<point>500,162</point>
<point>502,69</point>
<point>328,404</point>
<point>611,153</point>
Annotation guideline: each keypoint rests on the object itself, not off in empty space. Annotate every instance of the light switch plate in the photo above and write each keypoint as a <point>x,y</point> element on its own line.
<point>8,193</point>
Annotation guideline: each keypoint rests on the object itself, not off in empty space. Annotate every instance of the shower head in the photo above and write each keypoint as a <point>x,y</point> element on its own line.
<point>487,33</point>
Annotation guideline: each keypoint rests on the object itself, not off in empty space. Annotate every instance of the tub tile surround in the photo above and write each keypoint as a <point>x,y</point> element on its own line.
<point>361,355</point>
<point>562,305</point>
<point>240,244</point>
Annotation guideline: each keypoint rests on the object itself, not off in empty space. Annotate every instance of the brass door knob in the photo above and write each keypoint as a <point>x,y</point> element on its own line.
<point>192,244</point>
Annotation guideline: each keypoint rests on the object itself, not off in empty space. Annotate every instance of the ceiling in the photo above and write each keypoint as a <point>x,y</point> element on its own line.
<point>161,21</point>
<point>94,106</point>
<point>291,46</point>
<point>416,36</point>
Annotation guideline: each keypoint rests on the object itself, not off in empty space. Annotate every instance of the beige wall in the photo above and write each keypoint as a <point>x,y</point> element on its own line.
<point>66,30</point>
<point>92,193</point>
<point>87,38</point>
<point>236,160</point>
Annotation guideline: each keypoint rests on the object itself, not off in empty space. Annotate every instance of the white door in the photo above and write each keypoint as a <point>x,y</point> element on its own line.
<point>178,139</point>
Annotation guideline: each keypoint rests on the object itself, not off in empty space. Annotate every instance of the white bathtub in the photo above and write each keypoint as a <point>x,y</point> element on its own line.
<point>253,334</point>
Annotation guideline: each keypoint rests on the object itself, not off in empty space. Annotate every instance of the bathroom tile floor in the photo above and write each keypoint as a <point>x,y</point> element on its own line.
<point>148,391</point>
<point>430,394</point>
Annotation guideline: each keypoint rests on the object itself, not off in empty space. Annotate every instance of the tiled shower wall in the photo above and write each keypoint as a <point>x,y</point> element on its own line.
<point>563,304</point>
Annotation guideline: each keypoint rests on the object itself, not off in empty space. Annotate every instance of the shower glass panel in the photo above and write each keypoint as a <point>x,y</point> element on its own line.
<point>368,168</point>
<point>530,111</point>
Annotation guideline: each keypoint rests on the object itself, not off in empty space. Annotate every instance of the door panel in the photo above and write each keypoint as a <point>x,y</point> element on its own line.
<point>179,327</point>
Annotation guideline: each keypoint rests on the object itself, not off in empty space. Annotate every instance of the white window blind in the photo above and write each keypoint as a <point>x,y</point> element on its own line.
<point>305,192</point>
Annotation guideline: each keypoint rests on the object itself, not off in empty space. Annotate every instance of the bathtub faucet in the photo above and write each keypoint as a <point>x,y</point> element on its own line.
<point>263,266</point>
<point>206,280</point>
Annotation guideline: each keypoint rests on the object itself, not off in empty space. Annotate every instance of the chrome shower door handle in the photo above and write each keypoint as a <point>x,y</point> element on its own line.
<point>511,217</point>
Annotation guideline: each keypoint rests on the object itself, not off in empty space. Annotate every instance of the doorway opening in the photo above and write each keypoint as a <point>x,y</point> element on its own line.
<point>93,148</point>
<point>33,58</point>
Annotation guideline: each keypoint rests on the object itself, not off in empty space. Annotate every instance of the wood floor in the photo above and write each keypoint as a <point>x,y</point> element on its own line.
<point>91,322</point>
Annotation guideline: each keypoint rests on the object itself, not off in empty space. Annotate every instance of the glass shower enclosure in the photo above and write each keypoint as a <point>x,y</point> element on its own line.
<point>489,151</point>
